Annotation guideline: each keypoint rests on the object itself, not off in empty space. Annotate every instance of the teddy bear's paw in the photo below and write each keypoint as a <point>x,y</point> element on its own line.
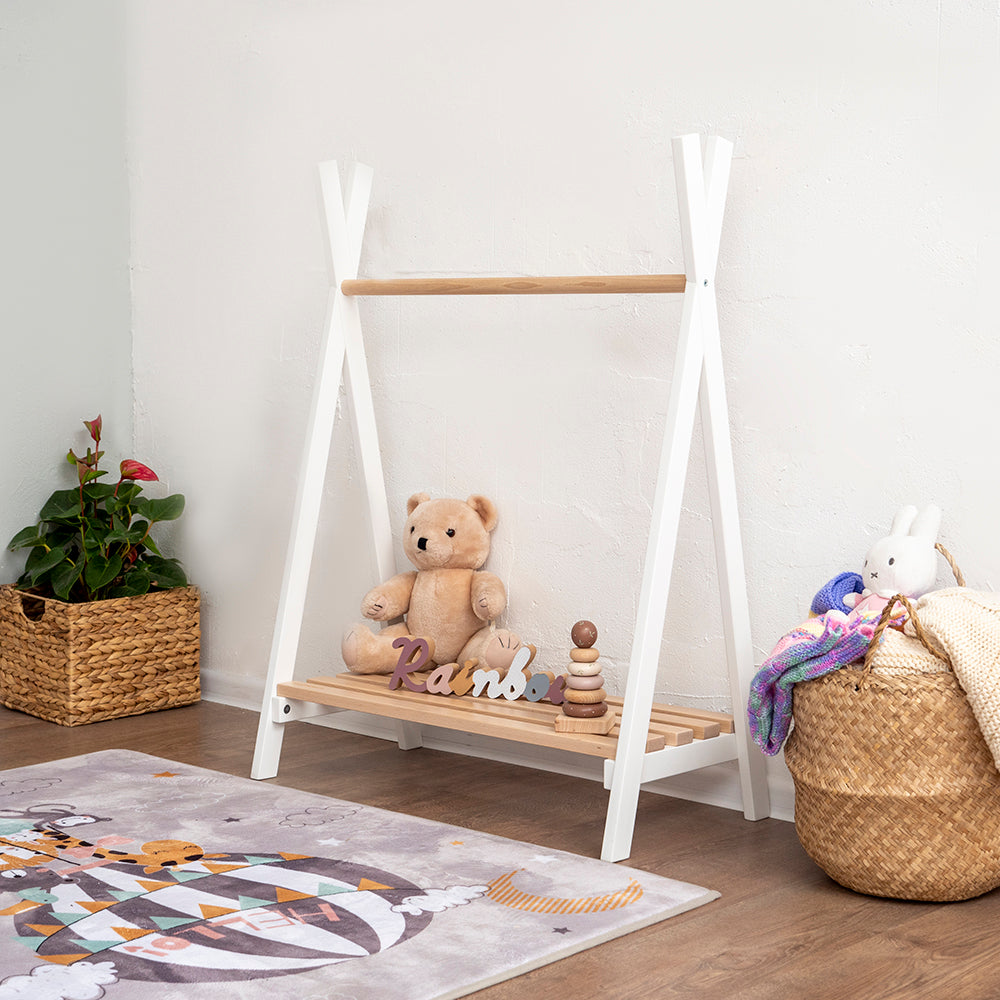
<point>374,607</point>
<point>502,648</point>
<point>489,606</point>
<point>357,641</point>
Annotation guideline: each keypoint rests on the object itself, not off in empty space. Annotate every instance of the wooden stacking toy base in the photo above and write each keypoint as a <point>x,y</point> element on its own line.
<point>602,725</point>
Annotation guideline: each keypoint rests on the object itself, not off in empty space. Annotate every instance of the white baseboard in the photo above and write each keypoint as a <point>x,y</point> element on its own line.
<point>237,692</point>
<point>717,785</point>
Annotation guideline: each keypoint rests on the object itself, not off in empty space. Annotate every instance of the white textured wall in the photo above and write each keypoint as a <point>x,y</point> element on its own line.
<point>857,284</point>
<point>66,351</point>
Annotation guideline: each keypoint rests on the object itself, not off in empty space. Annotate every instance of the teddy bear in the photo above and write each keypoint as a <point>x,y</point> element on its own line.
<point>448,600</point>
<point>904,562</point>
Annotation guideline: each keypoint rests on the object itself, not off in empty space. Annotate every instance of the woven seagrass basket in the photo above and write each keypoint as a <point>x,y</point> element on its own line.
<point>896,792</point>
<point>80,663</point>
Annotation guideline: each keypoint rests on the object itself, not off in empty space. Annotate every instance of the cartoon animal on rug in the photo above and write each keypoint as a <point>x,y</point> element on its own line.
<point>449,600</point>
<point>904,562</point>
<point>26,845</point>
<point>46,845</point>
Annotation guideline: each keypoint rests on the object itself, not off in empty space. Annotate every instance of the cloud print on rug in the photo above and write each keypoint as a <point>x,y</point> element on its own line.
<point>438,900</point>
<point>318,816</point>
<point>82,981</point>
<point>25,785</point>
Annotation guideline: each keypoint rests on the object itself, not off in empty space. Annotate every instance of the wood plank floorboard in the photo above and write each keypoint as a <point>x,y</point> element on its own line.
<point>781,929</point>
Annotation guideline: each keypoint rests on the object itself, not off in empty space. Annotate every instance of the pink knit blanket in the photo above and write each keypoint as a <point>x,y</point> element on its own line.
<point>816,647</point>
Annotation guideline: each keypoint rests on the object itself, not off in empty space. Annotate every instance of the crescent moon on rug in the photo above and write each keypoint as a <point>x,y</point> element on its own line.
<point>502,890</point>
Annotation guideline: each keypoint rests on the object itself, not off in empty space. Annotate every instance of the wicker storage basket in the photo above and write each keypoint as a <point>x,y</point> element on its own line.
<point>80,663</point>
<point>896,792</point>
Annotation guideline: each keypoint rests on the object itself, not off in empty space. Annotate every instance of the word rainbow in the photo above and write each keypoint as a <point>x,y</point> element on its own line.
<point>446,680</point>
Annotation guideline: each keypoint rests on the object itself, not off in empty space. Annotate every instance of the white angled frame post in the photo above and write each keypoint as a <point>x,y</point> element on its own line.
<point>698,381</point>
<point>697,375</point>
<point>342,352</point>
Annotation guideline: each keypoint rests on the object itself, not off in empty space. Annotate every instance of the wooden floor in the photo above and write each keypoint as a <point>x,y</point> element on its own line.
<point>782,929</point>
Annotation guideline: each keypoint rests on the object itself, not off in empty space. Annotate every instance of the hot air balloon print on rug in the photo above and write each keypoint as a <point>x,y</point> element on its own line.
<point>206,916</point>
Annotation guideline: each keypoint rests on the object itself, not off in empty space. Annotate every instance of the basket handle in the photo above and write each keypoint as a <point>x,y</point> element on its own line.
<point>886,616</point>
<point>883,623</point>
<point>31,606</point>
<point>959,579</point>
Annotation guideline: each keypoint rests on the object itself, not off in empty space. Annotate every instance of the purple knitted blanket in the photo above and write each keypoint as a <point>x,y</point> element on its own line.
<point>816,647</point>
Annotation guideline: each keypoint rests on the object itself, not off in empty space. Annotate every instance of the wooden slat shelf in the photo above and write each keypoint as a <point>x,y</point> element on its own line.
<point>521,721</point>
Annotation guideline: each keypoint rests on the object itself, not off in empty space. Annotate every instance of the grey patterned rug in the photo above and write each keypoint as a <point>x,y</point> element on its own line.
<point>129,876</point>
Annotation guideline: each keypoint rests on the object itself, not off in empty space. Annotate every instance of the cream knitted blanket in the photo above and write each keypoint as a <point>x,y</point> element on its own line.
<point>965,625</point>
<point>899,654</point>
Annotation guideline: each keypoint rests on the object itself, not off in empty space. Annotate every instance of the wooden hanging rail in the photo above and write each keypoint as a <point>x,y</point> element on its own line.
<point>610,284</point>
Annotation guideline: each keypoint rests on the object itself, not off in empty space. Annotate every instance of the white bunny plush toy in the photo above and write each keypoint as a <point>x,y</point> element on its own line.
<point>904,563</point>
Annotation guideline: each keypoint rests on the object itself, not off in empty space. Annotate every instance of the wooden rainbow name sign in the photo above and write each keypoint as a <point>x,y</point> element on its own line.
<point>445,680</point>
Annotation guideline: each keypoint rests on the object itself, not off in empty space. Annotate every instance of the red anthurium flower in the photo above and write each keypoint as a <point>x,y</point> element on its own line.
<point>131,469</point>
<point>94,426</point>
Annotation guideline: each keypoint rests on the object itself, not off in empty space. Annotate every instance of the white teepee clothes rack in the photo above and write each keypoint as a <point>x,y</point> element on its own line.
<point>635,757</point>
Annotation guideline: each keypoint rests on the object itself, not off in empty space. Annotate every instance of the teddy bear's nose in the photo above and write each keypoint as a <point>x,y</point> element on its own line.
<point>422,544</point>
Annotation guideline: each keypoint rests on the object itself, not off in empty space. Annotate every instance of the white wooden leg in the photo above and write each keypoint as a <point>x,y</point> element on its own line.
<point>722,491</point>
<point>701,190</point>
<point>638,701</point>
<point>267,750</point>
<point>344,230</point>
<point>408,735</point>
<point>732,574</point>
<point>363,413</point>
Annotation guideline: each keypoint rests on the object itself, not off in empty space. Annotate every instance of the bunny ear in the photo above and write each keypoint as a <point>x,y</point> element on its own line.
<point>927,523</point>
<point>903,520</point>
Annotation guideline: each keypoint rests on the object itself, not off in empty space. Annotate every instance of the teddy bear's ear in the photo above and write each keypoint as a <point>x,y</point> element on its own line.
<point>415,501</point>
<point>486,510</point>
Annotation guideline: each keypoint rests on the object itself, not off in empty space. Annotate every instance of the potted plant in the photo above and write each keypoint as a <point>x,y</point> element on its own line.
<point>100,624</point>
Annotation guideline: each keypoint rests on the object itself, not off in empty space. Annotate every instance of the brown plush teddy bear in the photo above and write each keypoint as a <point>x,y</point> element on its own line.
<point>447,600</point>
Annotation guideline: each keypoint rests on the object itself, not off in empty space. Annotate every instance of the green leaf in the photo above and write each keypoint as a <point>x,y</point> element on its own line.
<point>127,492</point>
<point>30,536</point>
<point>118,533</point>
<point>98,491</point>
<point>64,576</point>
<point>135,583</point>
<point>165,573</point>
<point>137,532</point>
<point>61,506</point>
<point>165,509</point>
<point>94,539</point>
<point>65,535</point>
<point>101,571</point>
<point>45,561</point>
